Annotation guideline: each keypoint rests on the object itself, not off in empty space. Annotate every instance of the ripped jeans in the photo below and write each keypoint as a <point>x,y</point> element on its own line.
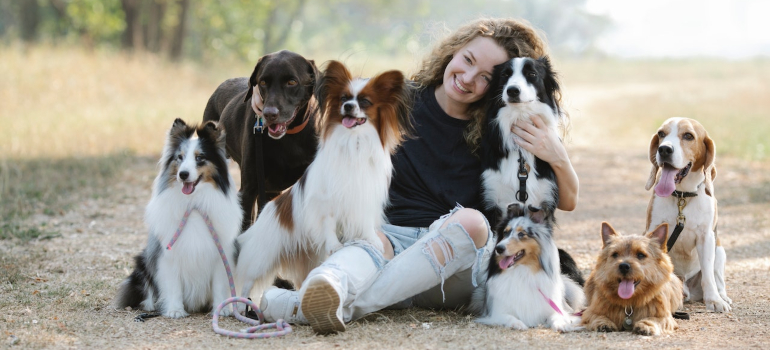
<point>414,277</point>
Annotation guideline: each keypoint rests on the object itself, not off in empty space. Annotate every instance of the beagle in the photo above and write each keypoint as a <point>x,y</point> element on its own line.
<point>683,171</point>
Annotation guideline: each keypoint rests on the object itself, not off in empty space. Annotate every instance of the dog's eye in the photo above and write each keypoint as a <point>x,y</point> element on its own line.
<point>262,83</point>
<point>521,235</point>
<point>291,82</point>
<point>344,98</point>
<point>179,157</point>
<point>507,73</point>
<point>640,256</point>
<point>688,136</point>
<point>661,134</point>
<point>364,103</point>
<point>614,255</point>
<point>199,158</point>
<point>531,74</point>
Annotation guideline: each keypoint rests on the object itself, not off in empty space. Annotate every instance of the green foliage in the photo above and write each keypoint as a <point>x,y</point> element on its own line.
<point>100,21</point>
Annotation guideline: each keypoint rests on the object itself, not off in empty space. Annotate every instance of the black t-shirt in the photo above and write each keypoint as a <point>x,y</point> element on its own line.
<point>435,170</point>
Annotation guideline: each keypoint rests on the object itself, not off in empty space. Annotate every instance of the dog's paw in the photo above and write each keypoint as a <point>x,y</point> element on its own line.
<point>647,327</point>
<point>606,328</point>
<point>725,298</point>
<point>518,325</point>
<point>685,294</point>
<point>226,311</point>
<point>175,313</point>
<point>567,325</point>
<point>717,305</point>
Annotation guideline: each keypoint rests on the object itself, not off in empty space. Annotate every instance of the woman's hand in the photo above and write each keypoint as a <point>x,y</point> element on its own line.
<point>544,143</point>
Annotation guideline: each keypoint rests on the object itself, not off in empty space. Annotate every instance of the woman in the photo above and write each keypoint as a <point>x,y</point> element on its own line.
<point>437,238</point>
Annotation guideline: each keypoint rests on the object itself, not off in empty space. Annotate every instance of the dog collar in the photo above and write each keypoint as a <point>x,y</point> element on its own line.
<point>680,194</point>
<point>300,127</point>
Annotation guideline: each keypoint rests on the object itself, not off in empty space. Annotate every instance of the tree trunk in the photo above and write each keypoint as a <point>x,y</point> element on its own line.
<point>30,18</point>
<point>132,36</point>
<point>177,41</point>
<point>154,29</point>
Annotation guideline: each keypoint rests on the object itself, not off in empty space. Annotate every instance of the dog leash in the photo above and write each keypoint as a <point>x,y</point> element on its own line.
<point>680,219</point>
<point>281,326</point>
<point>523,174</point>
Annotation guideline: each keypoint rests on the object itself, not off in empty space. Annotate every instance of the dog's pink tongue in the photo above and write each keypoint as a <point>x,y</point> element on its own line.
<point>666,184</point>
<point>626,289</point>
<point>277,128</point>
<point>348,122</point>
<point>506,262</point>
<point>188,187</point>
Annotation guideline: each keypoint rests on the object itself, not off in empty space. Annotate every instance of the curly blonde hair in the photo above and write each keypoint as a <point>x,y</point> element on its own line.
<point>517,37</point>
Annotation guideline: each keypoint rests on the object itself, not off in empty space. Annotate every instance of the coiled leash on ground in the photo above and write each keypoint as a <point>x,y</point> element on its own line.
<point>259,324</point>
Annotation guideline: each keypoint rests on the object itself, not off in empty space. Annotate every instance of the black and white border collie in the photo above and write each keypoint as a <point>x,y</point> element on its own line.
<point>190,277</point>
<point>525,284</point>
<point>521,88</point>
<point>341,196</point>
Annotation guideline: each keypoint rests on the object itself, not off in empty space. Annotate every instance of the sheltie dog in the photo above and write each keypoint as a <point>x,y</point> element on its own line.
<point>525,285</point>
<point>190,277</point>
<point>341,196</point>
<point>520,89</point>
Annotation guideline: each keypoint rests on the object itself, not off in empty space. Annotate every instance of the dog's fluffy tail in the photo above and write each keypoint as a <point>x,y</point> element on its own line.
<point>133,291</point>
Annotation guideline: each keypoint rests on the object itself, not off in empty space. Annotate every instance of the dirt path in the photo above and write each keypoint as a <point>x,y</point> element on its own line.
<point>64,286</point>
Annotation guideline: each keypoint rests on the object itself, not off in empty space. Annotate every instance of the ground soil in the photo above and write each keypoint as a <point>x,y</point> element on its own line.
<point>65,285</point>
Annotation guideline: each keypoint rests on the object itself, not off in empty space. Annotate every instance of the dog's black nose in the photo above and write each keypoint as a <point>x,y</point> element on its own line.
<point>624,267</point>
<point>184,175</point>
<point>499,249</point>
<point>513,91</point>
<point>270,113</point>
<point>665,151</point>
<point>348,107</point>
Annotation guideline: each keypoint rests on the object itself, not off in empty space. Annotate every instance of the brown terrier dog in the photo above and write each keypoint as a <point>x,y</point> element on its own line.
<point>632,286</point>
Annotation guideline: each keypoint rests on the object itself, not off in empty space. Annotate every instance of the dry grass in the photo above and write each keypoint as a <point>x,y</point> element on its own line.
<point>82,132</point>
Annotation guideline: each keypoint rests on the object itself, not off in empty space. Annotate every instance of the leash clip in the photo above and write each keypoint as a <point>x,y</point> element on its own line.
<point>259,125</point>
<point>681,203</point>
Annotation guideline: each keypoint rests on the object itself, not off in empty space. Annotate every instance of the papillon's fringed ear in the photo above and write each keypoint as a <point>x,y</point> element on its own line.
<point>253,79</point>
<point>710,168</point>
<point>334,78</point>
<point>607,233</point>
<point>654,143</point>
<point>659,236</point>
<point>515,210</point>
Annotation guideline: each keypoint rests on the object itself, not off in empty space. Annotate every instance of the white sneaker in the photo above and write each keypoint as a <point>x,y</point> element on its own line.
<point>283,304</point>
<point>322,305</point>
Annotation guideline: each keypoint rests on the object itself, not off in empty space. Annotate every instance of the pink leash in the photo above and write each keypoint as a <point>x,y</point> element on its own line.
<point>282,326</point>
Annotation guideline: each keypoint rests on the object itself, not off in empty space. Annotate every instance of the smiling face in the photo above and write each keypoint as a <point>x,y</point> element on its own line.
<point>467,76</point>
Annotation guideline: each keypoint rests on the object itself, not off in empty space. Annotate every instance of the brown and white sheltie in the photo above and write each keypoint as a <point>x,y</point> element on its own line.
<point>341,196</point>
<point>190,277</point>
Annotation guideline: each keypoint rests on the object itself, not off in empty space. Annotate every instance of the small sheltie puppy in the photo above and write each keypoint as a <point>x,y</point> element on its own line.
<point>520,89</point>
<point>189,277</point>
<point>341,196</point>
<point>633,286</point>
<point>525,285</point>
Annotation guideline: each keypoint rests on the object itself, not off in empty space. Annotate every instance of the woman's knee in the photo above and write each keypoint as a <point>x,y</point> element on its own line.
<point>473,222</point>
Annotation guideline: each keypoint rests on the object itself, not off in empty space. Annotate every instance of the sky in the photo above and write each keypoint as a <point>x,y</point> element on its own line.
<point>734,29</point>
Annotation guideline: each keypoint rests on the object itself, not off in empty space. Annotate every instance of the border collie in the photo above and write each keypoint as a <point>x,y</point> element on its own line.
<point>521,88</point>
<point>525,285</point>
<point>190,277</point>
<point>341,196</point>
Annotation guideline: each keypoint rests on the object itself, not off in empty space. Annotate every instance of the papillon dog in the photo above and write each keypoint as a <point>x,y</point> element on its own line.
<point>342,195</point>
<point>525,285</point>
<point>189,277</point>
<point>521,88</point>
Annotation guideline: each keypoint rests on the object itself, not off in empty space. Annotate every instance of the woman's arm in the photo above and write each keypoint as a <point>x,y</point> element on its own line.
<point>545,144</point>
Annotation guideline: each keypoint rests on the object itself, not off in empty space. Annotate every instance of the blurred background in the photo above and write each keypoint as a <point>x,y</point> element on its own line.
<point>89,87</point>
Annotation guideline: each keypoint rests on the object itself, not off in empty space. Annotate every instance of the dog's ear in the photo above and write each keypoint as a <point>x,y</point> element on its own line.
<point>537,215</point>
<point>654,143</point>
<point>659,236</point>
<point>253,79</point>
<point>709,168</point>
<point>607,233</point>
<point>217,131</point>
<point>551,83</point>
<point>514,210</point>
